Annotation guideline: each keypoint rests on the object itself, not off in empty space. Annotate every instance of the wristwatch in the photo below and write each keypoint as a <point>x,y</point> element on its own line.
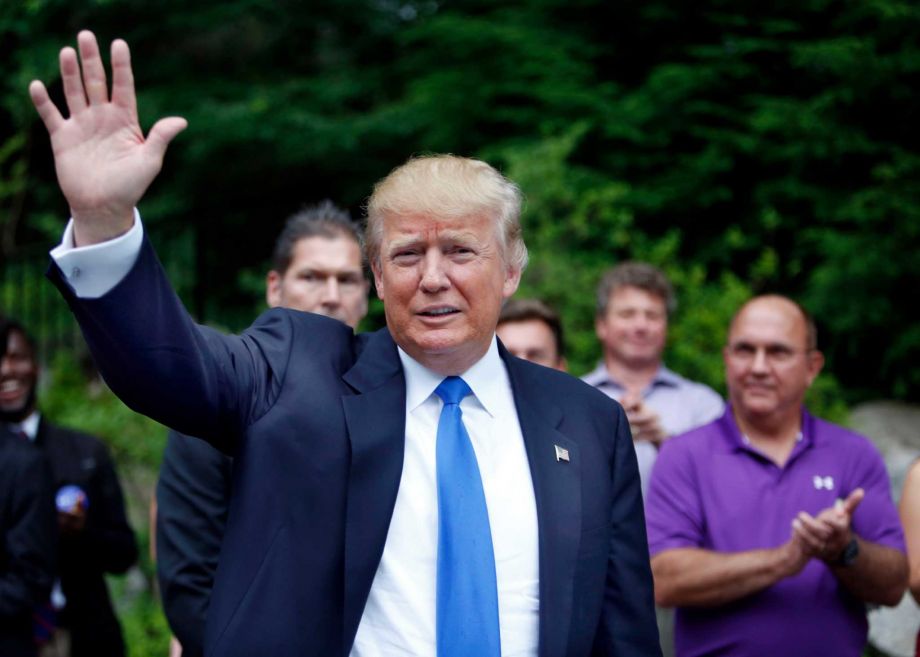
<point>848,555</point>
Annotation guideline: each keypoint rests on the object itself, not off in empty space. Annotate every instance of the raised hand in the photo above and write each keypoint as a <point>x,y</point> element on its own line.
<point>103,162</point>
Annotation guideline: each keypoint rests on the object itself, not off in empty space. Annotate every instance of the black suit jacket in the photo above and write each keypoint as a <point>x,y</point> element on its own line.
<point>315,417</point>
<point>193,499</point>
<point>28,537</point>
<point>106,545</point>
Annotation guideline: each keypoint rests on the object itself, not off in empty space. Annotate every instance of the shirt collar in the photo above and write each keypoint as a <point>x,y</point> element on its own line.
<point>29,426</point>
<point>484,379</point>
<point>599,376</point>
<point>737,440</point>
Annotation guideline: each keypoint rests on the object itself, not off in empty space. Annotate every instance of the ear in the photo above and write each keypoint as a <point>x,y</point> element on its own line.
<point>273,289</point>
<point>600,328</point>
<point>367,287</point>
<point>378,278</point>
<point>512,280</point>
<point>815,365</point>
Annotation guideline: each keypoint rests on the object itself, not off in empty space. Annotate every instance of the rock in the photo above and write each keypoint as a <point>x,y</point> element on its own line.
<point>894,427</point>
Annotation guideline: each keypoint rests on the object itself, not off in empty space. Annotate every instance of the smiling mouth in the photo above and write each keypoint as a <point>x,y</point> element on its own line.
<point>439,312</point>
<point>11,390</point>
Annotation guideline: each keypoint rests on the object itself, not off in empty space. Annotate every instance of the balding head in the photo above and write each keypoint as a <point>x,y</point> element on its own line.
<point>771,359</point>
<point>778,301</point>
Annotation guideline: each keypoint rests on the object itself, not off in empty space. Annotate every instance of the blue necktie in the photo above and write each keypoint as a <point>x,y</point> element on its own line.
<point>467,596</point>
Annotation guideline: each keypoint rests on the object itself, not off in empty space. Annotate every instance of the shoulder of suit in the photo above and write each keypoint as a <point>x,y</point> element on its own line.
<point>562,386</point>
<point>292,325</point>
<point>81,440</point>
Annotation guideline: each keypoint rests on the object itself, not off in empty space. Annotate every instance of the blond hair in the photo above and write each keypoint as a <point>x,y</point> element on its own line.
<point>448,187</point>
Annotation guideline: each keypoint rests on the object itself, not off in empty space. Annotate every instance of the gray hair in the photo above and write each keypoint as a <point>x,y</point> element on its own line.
<point>448,187</point>
<point>635,274</point>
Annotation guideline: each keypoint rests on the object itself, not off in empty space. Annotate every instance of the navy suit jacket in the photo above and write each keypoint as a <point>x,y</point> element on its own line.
<point>315,418</point>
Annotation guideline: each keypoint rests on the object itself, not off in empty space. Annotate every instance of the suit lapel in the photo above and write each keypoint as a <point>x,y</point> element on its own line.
<point>376,419</point>
<point>557,489</point>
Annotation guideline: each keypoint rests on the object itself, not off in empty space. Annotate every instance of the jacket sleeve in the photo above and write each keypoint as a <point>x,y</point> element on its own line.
<point>29,532</point>
<point>627,626</point>
<point>161,364</point>
<point>193,494</point>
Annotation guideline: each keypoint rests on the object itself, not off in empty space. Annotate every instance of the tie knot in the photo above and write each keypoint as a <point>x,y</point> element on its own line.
<point>452,390</point>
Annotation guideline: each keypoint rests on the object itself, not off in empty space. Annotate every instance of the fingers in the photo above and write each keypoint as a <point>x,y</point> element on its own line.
<point>93,70</point>
<point>848,506</point>
<point>47,110</point>
<point>123,77</point>
<point>163,132</point>
<point>814,533</point>
<point>73,83</point>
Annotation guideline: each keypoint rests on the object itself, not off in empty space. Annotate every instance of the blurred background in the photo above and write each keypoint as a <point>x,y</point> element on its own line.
<point>743,147</point>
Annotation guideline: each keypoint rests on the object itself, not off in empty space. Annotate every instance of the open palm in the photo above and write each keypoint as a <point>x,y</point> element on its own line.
<point>103,162</point>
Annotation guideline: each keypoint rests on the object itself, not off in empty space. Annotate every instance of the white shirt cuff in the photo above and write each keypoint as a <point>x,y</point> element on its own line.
<point>92,271</point>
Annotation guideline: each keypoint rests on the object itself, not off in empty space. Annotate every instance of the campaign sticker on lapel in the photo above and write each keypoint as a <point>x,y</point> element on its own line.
<point>562,454</point>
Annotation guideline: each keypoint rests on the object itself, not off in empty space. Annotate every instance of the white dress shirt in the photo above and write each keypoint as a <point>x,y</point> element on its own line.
<point>29,426</point>
<point>399,618</point>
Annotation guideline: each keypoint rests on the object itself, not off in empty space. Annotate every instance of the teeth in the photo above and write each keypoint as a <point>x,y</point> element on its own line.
<point>440,311</point>
<point>9,386</point>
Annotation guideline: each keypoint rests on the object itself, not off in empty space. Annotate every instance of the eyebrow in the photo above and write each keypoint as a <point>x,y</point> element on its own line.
<point>447,236</point>
<point>768,346</point>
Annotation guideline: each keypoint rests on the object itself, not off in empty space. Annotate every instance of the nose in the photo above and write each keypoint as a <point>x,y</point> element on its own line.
<point>434,275</point>
<point>6,365</point>
<point>332,294</point>
<point>759,364</point>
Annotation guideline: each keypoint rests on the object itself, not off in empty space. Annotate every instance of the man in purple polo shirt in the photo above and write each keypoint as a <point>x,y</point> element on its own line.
<point>770,529</point>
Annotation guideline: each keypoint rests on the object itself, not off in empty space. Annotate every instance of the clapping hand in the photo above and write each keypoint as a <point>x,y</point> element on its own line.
<point>103,161</point>
<point>827,534</point>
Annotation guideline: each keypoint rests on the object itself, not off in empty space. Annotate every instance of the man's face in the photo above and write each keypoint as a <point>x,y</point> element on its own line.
<point>442,283</point>
<point>18,376</point>
<point>768,367</point>
<point>324,277</point>
<point>635,327</point>
<point>533,340</point>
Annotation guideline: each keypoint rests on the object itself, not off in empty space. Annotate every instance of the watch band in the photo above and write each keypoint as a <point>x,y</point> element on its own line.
<point>848,556</point>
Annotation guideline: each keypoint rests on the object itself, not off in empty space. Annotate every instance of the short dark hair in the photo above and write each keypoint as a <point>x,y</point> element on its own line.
<point>9,325</point>
<point>525,310</point>
<point>325,219</point>
<point>635,274</point>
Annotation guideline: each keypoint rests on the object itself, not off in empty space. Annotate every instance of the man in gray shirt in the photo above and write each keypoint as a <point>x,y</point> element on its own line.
<point>634,301</point>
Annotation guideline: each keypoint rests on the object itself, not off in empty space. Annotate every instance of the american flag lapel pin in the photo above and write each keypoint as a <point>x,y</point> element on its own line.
<point>562,454</point>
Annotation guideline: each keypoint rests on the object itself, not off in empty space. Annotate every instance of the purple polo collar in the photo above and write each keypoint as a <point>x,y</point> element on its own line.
<point>734,440</point>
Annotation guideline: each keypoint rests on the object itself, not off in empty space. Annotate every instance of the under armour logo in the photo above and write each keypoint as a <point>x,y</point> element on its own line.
<point>826,483</point>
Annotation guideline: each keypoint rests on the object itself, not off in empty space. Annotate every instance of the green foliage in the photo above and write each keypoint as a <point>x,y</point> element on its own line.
<point>144,627</point>
<point>770,145</point>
